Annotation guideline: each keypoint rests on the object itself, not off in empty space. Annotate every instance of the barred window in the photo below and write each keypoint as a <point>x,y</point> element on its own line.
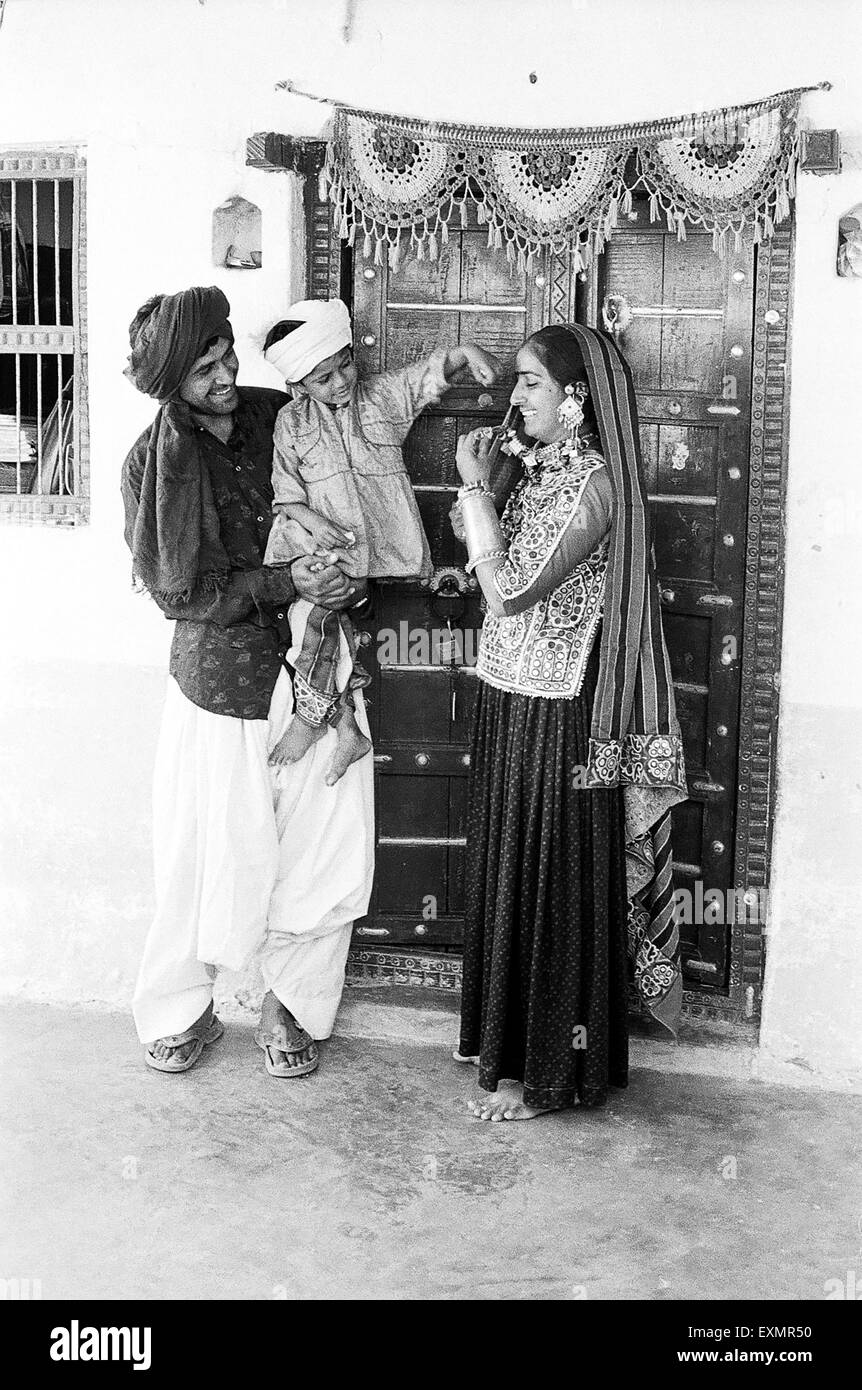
<point>44,437</point>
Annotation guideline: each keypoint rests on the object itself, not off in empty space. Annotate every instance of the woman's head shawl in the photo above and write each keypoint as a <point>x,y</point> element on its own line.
<point>325,330</point>
<point>167,343</point>
<point>172,526</point>
<point>635,739</point>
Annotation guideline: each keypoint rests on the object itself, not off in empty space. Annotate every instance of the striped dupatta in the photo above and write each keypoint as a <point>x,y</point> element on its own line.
<point>635,739</point>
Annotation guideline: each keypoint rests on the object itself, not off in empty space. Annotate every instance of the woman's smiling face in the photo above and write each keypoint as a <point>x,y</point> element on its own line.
<point>537,395</point>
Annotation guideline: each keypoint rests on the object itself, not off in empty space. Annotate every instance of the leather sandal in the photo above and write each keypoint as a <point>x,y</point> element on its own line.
<point>275,1041</point>
<point>208,1029</point>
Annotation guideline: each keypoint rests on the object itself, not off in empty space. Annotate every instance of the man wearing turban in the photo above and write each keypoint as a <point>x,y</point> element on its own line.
<point>249,859</point>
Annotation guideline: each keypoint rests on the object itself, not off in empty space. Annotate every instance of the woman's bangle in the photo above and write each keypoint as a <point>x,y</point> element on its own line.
<point>482,531</point>
<point>489,555</point>
<point>480,486</point>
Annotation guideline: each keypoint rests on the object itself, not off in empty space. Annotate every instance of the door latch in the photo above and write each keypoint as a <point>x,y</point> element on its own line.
<point>716,600</point>
<point>449,587</point>
<point>448,603</point>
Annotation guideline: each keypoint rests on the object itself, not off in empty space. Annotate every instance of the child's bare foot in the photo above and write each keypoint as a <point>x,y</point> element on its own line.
<point>295,743</point>
<point>350,746</point>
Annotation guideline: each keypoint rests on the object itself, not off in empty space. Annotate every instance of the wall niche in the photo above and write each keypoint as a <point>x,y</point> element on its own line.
<point>237,235</point>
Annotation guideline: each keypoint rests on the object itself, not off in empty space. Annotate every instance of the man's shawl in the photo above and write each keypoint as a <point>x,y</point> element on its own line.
<point>172,526</point>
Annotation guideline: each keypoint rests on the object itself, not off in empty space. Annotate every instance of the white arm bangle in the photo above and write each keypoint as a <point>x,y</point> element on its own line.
<point>482,531</point>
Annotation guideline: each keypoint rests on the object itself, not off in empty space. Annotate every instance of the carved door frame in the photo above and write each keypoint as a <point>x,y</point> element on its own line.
<point>329,272</point>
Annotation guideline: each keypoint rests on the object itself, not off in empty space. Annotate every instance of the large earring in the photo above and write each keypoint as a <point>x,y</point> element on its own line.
<point>570,412</point>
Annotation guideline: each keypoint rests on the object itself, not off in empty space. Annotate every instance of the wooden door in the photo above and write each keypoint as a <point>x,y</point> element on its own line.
<point>424,686</point>
<point>689,345</point>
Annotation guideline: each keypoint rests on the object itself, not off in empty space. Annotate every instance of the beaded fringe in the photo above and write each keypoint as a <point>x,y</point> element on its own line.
<point>390,228</point>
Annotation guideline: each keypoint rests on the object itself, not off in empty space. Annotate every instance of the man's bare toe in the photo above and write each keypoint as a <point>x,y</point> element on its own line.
<point>163,1052</point>
<point>293,1059</point>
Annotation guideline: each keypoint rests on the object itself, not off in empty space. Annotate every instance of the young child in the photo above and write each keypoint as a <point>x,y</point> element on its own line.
<point>340,485</point>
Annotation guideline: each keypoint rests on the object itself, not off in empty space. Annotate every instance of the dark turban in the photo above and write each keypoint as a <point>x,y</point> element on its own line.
<point>169,333</point>
<point>172,526</point>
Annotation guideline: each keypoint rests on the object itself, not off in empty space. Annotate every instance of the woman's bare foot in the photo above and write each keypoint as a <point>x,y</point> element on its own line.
<point>465,1057</point>
<point>296,741</point>
<point>351,745</point>
<point>506,1103</point>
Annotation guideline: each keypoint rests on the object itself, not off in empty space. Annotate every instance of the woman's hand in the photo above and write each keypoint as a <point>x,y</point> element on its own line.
<point>471,459</point>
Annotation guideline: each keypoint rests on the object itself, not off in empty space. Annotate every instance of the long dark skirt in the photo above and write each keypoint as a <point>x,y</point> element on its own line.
<point>545,977</point>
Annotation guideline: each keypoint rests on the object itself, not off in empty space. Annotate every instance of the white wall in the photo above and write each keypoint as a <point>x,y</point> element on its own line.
<point>812,1011</point>
<point>163,95</point>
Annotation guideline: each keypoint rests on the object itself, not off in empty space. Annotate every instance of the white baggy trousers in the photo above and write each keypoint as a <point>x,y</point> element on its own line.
<point>250,859</point>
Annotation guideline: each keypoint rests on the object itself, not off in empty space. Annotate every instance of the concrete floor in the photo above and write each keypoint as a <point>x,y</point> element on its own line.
<point>370,1181</point>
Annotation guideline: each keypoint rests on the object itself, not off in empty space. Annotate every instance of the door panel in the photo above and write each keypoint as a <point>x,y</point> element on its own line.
<point>424,688</point>
<point>689,346</point>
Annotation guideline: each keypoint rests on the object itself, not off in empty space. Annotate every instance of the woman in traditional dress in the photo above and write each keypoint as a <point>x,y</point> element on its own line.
<point>576,756</point>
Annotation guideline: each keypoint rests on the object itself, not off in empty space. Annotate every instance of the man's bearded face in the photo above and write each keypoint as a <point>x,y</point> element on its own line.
<point>210,387</point>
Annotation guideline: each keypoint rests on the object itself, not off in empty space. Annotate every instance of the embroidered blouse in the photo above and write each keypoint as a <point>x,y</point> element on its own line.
<point>347,464</point>
<point>228,647</point>
<point>549,590</point>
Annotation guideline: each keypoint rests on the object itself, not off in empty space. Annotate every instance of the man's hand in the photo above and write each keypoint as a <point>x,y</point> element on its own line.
<point>320,581</point>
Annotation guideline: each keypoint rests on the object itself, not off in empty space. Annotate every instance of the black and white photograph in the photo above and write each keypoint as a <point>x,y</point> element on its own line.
<point>430,715</point>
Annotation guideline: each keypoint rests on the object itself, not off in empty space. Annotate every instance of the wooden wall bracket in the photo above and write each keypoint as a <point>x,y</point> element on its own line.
<point>288,154</point>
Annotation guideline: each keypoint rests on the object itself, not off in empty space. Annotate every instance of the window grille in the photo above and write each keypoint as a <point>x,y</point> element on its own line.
<point>44,437</point>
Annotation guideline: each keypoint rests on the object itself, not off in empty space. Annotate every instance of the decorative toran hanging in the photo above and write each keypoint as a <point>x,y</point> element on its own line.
<point>398,182</point>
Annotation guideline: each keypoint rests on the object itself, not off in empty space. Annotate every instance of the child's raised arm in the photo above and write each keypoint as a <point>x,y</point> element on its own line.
<point>399,396</point>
